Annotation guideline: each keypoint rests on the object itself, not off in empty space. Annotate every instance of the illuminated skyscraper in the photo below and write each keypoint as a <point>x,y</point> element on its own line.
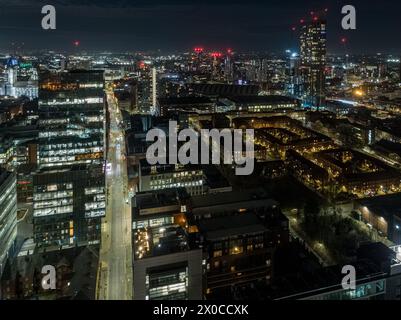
<point>313,60</point>
<point>69,195</point>
<point>71,118</point>
<point>154,90</point>
<point>8,215</point>
<point>294,76</point>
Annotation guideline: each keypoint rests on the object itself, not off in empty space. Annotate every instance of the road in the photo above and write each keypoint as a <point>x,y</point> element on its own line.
<point>115,265</point>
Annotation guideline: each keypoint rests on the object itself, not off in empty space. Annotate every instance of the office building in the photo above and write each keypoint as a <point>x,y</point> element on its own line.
<point>69,195</point>
<point>68,205</point>
<point>237,248</point>
<point>199,105</point>
<point>167,262</point>
<point>166,176</point>
<point>16,87</point>
<point>71,118</point>
<point>8,216</point>
<point>264,103</point>
<point>159,208</point>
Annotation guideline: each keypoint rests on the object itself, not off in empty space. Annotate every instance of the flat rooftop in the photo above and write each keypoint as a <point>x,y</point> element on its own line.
<point>184,100</point>
<point>221,89</point>
<point>385,205</point>
<point>157,241</point>
<point>221,227</point>
<point>158,201</point>
<point>255,99</point>
<point>223,198</point>
<point>146,168</point>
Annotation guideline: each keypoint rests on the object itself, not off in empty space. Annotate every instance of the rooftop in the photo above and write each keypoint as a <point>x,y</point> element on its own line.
<point>156,241</point>
<point>221,227</point>
<point>160,201</point>
<point>255,99</point>
<point>184,100</point>
<point>146,168</point>
<point>224,198</point>
<point>220,89</point>
<point>385,205</point>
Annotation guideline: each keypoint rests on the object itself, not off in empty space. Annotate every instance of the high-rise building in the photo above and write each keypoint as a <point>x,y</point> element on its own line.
<point>71,118</point>
<point>166,176</point>
<point>167,262</point>
<point>313,60</point>
<point>154,90</point>
<point>294,77</point>
<point>68,205</point>
<point>69,190</point>
<point>15,87</point>
<point>8,215</point>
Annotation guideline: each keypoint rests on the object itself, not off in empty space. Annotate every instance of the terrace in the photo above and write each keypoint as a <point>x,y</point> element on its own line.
<point>156,241</point>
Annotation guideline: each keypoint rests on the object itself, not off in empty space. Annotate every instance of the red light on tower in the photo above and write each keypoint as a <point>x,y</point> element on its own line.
<point>229,51</point>
<point>302,21</point>
<point>216,54</point>
<point>343,40</point>
<point>315,18</point>
<point>293,28</point>
<point>198,50</point>
<point>76,43</point>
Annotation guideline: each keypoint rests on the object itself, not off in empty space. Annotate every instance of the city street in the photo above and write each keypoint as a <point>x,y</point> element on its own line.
<point>115,267</point>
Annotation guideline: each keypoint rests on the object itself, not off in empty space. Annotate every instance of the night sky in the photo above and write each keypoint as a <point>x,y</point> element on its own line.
<point>176,25</point>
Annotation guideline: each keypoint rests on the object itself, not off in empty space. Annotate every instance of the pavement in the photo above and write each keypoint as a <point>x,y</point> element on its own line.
<point>114,280</point>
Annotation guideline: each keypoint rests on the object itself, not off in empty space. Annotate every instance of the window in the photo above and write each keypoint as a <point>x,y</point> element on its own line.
<point>52,187</point>
<point>217,253</point>
<point>236,249</point>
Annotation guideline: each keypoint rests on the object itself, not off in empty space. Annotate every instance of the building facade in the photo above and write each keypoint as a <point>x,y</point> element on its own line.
<point>69,189</point>
<point>8,215</point>
<point>313,61</point>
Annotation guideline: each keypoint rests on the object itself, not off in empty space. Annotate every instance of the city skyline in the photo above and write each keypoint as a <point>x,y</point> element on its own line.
<point>218,172</point>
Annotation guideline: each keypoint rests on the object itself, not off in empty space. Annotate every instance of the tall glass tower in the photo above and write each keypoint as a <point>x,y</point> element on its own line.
<point>313,61</point>
<point>69,189</point>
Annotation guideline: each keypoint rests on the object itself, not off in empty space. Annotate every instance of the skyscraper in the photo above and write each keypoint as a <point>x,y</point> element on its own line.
<point>294,77</point>
<point>154,90</point>
<point>313,60</point>
<point>8,215</point>
<point>69,189</point>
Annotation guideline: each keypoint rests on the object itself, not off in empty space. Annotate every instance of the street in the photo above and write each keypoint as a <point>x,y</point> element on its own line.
<point>115,264</point>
